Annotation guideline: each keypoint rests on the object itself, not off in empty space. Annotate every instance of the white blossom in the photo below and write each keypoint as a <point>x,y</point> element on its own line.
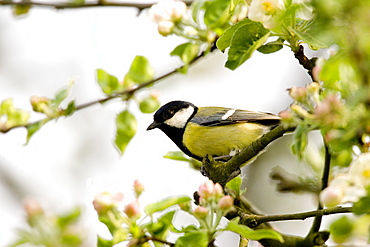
<point>167,10</point>
<point>264,10</point>
<point>360,169</point>
<point>305,11</point>
<point>349,187</point>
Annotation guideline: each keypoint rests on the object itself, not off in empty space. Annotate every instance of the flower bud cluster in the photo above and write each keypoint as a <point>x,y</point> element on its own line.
<point>209,191</point>
<point>350,186</point>
<point>44,105</point>
<point>313,108</point>
<point>173,17</point>
<point>11,116</point>
<point>212,201</point>
<point>105,202</point>
<point>166,14</point>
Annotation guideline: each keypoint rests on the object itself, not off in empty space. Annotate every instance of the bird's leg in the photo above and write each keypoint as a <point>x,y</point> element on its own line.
<point>232,153</point>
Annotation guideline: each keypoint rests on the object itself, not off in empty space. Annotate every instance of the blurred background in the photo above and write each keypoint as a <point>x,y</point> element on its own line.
<point>68,161</point>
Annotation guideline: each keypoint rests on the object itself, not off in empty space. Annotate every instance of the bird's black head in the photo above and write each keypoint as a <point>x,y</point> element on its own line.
<point>172,119</point>
<point>173,114</point>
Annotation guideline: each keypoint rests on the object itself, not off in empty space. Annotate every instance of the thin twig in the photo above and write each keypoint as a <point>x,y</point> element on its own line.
<point>307,63</point>
<point>140,6</point>
<point>126,93</point>
<point>259,219</point>
<point>68,5</point>
<point>324,183</point>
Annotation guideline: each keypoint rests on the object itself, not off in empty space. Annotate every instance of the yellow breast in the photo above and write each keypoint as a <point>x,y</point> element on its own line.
<point>220,140</point>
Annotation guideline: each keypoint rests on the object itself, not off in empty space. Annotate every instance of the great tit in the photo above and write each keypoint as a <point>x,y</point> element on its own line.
<point>216,131</point>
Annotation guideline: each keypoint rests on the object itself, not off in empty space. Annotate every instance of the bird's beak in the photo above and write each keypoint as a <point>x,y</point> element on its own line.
<point>153,125</point>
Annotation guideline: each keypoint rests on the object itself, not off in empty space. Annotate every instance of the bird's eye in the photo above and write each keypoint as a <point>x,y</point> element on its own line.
<point>169,114</point>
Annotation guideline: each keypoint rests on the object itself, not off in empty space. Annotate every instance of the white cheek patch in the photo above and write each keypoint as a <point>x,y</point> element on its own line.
<point>180,118</point>
<point>228,114</point>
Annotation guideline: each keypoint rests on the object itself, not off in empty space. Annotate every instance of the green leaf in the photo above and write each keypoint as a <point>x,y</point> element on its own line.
<point>140,71</point>
<point>164,204</point>
<point>149,104</point>
<point>249,233</point>
<point>187,53</point>
<point>121,234</point>
<point>225,39</point>
<point>235,184</point>
<point>33,128</point>
<point>21,9</point>
<point>193,239</point>
<point>180,156</point>
<point>62,94</point>
<point>176,155</point>
<point>341,229</point>
<point>108,83</point>
<point>312,40</point>
<point>245,40</point>
<point>69,218</point>
<point>216,15</point>
<point>161,226</point>
<point>71,108</point>
<point>126,129</point>
<point>104,242</point>
<point>300,140</point>
<point>362,206</point>
<point>331,70</point>
<point>270,47</point>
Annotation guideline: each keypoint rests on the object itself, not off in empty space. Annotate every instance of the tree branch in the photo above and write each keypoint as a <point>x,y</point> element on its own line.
<point>127,94</point>
<point>307,63</point>
<point>256,220</point>
<point>139,6</point>
<point>71,5</point>
<point>221,172</point>
<point>324,183</point>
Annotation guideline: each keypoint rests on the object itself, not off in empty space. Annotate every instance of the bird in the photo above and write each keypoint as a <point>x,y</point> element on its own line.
<point>216,131</point>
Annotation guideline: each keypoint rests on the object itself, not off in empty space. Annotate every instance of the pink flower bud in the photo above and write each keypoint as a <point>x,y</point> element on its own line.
<point>105,201</point>
<point>132,210</point>
<point>218,191</point>
<point>208,190</point>
<point>178,10</point>
<point>200,212</point>
<point>138,188</point>
<point>329,110</point>
<point>40,104</point>
<point>32,207</point>
<point>316,72</point>
<point>285,115</point>
<point>298,93</point>
<point>165,27</point>
<point>226,202</point>
<point>331,196</point>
